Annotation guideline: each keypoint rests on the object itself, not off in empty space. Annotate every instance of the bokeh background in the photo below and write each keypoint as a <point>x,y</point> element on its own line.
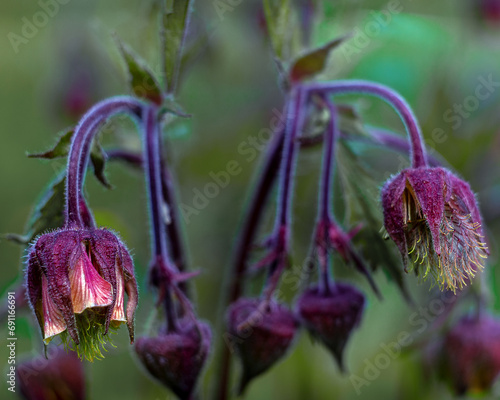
<point>434,53</point>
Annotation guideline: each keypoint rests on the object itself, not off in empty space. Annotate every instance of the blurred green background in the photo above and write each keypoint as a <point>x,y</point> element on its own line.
<point>434,53</point>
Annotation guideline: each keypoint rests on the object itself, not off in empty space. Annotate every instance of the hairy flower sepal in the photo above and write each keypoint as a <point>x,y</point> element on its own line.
<point>176,358</point>
<point>433,218</point>
<point>58,375</point>
<point>76,280</point>
<point>470,354</point>
<point>263,334</point>
<point>331,315</point>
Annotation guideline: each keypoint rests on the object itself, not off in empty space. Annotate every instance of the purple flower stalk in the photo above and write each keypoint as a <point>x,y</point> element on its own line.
<point>176,356</point>
<point>279,241</point>
<point>328,234</point>
<point>77,275</point>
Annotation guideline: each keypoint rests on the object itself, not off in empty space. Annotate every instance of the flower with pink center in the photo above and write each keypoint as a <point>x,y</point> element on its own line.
<point>76,281</point>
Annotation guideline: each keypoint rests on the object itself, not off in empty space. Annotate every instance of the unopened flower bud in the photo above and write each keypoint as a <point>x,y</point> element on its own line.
<point>332,315</point>
<point>263,334</point>
<point>471,354</point>
<point>176,358</point>
<point>60,376</point>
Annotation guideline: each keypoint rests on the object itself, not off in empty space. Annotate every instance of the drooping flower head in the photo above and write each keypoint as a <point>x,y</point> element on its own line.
<point>263,334</point>
<point>59,376</point>
<point>331,316</point>
<point>76,281</point>
<point>471,354</point>
<point>176,358</point>
<point>433,217</point>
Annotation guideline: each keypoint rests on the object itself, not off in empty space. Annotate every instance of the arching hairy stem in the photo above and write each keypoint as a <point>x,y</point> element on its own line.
<point>418,154</point>
<point>79,152</point>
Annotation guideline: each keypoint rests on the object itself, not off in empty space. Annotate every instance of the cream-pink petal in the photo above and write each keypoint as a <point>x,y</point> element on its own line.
<point>53,320</point>
<point>118,314</point>
<point>88,288</point>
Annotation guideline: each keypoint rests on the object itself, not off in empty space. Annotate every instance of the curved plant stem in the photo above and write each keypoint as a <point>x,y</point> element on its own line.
<point>418,155</point>
<point>325,214</point>
<point>79,152</point>
<point>173,228</point>
<point>295,114</point>
<point>162,266</point>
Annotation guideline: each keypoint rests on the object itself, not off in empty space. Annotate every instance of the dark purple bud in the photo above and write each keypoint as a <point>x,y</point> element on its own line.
<point>433,218</point>
<point>332,315</point>
<point>176,358</point>
<point>262,333</point>
<point>76,281</point>
<point>471,354</point>
<point>60,376</point>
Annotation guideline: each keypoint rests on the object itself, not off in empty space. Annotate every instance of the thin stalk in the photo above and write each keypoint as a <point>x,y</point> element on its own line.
<point>325,212</point>
<point>173,228</point>
<point>295,112</point>
<point>79,152</point>
<point>418,155</point>
<point>153,170</point>
<point>266,179</point>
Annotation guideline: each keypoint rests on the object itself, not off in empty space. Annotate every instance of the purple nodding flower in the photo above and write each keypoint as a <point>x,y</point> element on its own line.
<point>176,358</point>
<point>263,333</point>
<point>76,280</point>
<point>433,218</point>
<point>61,376</point>
<point>332,315</point>
<point>471,354</point>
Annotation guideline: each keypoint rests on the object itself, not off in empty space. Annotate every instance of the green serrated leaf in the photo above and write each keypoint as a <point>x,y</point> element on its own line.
<point>61,148</point>
<point>277,13</point>
<point>313,62</point>
<point>173,32</point>
<point>141,80</point>
<point>361,195</point>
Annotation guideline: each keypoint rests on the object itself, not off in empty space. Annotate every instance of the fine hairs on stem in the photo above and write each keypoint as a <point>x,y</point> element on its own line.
<point>79,153</point>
